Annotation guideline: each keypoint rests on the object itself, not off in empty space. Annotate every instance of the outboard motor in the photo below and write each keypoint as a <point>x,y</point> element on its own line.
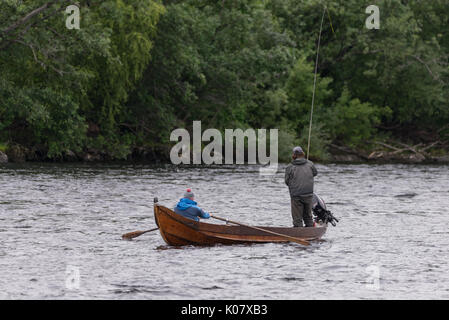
<point>320,211</point>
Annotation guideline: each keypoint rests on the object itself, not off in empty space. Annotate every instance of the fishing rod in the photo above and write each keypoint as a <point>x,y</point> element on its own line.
<point>315,76</point>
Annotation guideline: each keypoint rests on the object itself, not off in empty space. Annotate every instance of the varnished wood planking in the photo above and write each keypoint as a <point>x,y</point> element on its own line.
<point>177,230</point>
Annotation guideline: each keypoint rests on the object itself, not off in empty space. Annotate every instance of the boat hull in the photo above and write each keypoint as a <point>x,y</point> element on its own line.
<point>177,230</point>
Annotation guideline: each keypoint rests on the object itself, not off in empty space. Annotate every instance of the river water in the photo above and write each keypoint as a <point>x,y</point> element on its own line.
<point>61,226</point>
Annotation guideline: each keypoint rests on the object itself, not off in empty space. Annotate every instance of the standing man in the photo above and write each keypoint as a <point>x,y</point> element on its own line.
<point>299,179</point>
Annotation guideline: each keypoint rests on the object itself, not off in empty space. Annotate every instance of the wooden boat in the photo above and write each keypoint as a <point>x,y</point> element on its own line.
<point>177,230</point>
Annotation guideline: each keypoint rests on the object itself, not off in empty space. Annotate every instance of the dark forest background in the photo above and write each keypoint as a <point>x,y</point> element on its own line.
<point>137,69</point>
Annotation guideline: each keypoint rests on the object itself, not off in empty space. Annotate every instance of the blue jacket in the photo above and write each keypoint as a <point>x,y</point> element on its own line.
<point>189,209</point>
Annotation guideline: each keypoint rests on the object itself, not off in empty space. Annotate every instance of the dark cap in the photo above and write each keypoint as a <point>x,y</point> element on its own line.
<point>298,150</point>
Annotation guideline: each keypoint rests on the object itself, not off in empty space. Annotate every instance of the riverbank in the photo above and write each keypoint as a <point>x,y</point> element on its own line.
<point>375,152</point>
<point>392,152</point>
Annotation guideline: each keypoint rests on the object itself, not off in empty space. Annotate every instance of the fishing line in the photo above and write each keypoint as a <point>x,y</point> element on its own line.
<point>330,21</point>
<point>314,83</point>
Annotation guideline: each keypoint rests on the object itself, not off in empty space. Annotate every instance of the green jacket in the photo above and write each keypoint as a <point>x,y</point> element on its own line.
<point>299,177</point>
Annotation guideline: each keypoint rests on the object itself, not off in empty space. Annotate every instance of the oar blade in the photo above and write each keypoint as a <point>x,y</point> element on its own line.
<point>135,234</point>
<point>131,235</point>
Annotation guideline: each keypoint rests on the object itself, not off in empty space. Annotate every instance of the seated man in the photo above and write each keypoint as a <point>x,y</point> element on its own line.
<point>189,209</point>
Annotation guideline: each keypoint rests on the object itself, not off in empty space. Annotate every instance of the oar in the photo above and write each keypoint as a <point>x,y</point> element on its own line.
<point>135,234</point>
<point>297,240</point>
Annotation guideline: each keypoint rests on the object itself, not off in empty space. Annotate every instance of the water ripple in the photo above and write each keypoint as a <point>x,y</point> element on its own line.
<point>60,220</point>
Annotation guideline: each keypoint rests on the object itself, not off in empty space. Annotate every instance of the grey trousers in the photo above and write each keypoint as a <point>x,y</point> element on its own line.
<point>302,210</point>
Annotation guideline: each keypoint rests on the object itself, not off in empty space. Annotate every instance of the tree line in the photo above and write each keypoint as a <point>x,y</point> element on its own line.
<point>138,69</point>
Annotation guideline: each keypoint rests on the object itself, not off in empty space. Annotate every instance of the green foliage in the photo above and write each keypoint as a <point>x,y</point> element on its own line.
<point>288,139</point>
<point>299,88</point>
<point>396,76</point>
<point>137,69</point>
<point>223,64</point>
<point>319,141</point>
<point>54,80</point>
<point>352,122</point>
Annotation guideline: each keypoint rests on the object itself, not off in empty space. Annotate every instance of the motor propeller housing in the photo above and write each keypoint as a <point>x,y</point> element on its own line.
<point>320,211</point>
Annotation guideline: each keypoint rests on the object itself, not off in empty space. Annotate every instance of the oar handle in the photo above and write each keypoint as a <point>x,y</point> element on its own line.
<point>218,218</point>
